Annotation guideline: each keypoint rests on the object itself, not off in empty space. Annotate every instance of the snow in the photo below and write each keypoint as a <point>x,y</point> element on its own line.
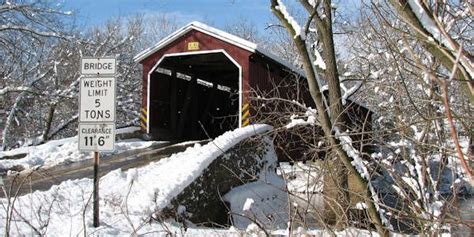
<point>361,206</point>
<point>293,23</point>
<point>348,92</point>
<point>427,22</point>
<point>264,200</point>
<point>269,199</point>
<point>376,74</point>
<point>430,25</point>
<point>319,60</point>
<point>351,231</point>
<point>59,142</point>
<point>7,89</point>
<point>324,88</point>
<point>295,120</point>
<point>248,203</point>
<point>302,178</point>
<point>128,199</point>
<point>304,183</point>
<point>347,74</point>
<point>62,151</point>
<point>429,185</point>
<point>360,166</point>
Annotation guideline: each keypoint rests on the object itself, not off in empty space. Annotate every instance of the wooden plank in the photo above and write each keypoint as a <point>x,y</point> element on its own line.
<point>194,107</point>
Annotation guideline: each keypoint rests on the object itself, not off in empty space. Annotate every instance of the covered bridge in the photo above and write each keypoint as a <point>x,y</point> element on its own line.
<point>197,82</point>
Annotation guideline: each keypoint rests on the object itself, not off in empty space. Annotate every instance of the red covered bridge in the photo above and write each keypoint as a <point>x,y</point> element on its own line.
<point>196,82</point>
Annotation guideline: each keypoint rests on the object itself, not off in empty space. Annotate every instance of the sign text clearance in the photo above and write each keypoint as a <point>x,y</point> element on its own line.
<point>96,137</point>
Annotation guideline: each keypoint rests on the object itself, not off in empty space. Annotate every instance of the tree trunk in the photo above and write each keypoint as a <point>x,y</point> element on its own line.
<point>49,121</point>
<point>338,117</point>
<point>324,118</point>
<point>335,183</point>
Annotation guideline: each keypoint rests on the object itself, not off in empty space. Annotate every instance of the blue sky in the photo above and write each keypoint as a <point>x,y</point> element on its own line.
<point>216,12</point>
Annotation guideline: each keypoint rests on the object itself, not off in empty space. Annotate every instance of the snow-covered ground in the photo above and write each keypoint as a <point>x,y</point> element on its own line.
<point>128,200</point>
<point>264,201</point>
<point>63,151</point>
<point>301,178</point>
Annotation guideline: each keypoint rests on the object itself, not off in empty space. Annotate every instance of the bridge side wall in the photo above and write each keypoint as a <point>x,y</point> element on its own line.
<point>203,198</point>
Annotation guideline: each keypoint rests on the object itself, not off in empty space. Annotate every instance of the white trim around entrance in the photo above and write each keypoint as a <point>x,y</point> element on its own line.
<point>187,54</point>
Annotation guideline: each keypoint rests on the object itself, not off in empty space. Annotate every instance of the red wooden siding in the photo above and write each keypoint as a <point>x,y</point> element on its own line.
<point>206,42</point>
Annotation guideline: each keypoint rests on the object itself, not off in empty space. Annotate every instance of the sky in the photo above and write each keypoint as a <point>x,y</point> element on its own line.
<point>218,13</point>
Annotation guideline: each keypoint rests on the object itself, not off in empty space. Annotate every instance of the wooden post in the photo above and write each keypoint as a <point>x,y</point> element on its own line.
<point>210,104</point>
<point>187,102</point>
<point>96,189</point>
<point>173,102</point>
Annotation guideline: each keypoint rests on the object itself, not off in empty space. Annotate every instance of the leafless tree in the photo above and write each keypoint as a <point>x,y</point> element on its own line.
<point>28,30</point>
<point>405,82</point>
<point>417,65</point>
<point>41,90</point>
<point>331,114</point>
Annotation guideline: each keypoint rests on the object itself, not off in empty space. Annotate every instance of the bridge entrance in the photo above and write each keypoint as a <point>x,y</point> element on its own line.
<point>194,96</point>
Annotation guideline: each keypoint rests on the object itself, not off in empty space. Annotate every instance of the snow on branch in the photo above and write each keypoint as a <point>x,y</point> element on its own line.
<point>349,92</point>
<point>358,163</point>
<point>428,23</point>
<point>319,60</point>
<point>299,32</point>
<point>30,30</point>
<point>310,115</point>
<point>8,89</point>
<point>437,33</point>
<point>313,3</point>
<point>63,125</point>
<point>33,8</point>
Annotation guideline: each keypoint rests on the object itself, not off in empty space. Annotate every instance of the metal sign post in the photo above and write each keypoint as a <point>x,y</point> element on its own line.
<point>96,189</point>
<point>97,114</point>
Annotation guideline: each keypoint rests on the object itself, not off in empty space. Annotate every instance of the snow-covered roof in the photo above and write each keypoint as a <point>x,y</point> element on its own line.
<point>219,34</point>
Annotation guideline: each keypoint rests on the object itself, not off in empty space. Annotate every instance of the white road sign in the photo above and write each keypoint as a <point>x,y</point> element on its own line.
<point>96,137</point>
<point>98,66</point>
<point>97,99</point>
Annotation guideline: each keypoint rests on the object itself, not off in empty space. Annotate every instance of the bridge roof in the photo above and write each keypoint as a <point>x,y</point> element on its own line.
<point>222,35</point>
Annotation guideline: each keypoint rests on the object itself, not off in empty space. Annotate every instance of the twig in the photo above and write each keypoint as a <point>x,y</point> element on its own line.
<point>449,116</point>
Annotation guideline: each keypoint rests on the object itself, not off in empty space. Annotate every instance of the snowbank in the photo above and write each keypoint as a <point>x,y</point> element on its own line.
<point>128,199</point>
<point>155,185</point>
<point>264,201</point>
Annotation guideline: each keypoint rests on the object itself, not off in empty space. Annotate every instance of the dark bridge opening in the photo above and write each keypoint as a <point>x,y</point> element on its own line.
<point>194,97</point>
